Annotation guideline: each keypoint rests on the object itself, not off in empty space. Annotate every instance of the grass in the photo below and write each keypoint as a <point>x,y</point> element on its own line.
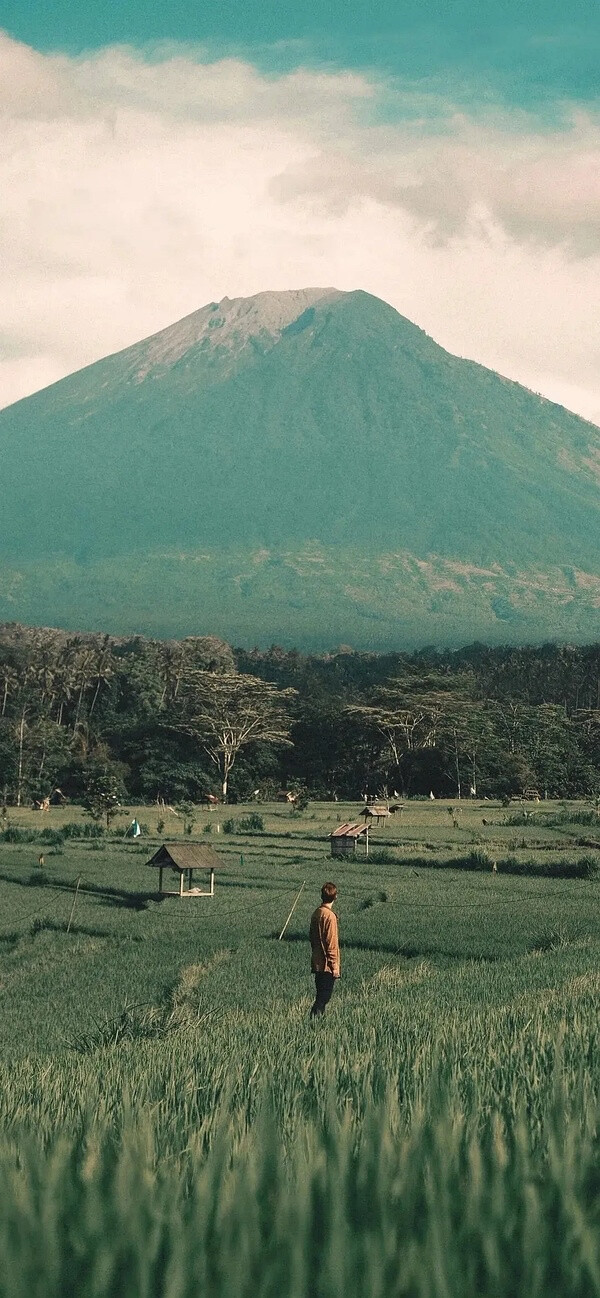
<point>171,1123</point>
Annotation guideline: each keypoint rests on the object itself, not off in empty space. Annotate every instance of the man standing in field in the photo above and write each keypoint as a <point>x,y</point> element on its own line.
<point>325,948</point>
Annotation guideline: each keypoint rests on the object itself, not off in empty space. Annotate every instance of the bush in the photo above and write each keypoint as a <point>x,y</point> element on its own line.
<point>586,867</point>
<point>38,879</point>
<point>252,824</point>
<point>52,837</point>
<point>554,819</point>
<point>83,829</point>
<point>14,835</point>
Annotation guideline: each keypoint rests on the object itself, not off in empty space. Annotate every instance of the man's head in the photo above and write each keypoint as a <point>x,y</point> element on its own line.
<point>328,893</point>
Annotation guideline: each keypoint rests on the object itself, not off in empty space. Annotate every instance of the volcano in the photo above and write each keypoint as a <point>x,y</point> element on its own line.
<point>307,467</point>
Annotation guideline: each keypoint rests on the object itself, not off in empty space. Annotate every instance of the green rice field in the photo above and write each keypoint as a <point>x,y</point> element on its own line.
<point>172,1123</point>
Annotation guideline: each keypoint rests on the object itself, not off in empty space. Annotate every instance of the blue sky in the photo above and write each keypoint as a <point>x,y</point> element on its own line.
<point>527,52</point>
<point>445,156</point>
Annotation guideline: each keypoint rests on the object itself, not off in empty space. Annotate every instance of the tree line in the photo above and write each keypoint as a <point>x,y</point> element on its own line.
<point>93,716</point>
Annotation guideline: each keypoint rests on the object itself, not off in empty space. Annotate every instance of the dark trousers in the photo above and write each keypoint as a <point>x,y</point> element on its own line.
<point>324,985</point>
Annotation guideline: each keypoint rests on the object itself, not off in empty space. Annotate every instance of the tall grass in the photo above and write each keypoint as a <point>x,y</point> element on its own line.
<point>173,1125</point>
<point>581,867</point>
<point>439,1205</point>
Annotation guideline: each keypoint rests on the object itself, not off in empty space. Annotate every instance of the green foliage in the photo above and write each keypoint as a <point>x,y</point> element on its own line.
<point>104,790</point>
<point>554,820</point>
<point>439,1203</point>
<point>188,812</point>
<point>15,835</point>
<point>412,723</point>
<point>381,856</point>
<point>253,823</point>
<point>163,1093</point>
<point>82,829</point>
<point>132,1023</point>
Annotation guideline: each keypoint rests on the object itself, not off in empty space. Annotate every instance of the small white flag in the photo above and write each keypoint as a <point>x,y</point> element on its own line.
<point>135,829</point>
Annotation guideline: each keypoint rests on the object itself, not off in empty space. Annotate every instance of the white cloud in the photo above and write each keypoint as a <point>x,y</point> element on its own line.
<point>134,190</point>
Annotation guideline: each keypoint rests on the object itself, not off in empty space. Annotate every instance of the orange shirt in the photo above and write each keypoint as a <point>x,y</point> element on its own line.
<point>324,942</point>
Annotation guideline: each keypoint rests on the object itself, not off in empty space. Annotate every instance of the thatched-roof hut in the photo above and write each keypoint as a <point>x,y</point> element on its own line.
<point>344,839</point>
<point>378,811</point>
<point>183,859</point>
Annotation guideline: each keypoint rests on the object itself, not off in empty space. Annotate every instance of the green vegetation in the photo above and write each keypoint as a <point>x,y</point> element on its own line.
<point>172,1123</point>
<point>103,721</point>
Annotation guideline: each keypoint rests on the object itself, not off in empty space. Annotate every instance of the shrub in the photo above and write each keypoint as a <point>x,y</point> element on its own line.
<point>52,837</point>
<point>83,829</point>
<point>38,879</point>
<point>188,811</point>
<point>586,867</point>
<point>478,860</point>
<point>554,819</point>
<point>252,824</point>
<point>14,835</point>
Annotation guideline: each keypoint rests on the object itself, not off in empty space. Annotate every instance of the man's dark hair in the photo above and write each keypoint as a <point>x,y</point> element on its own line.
<point>328,892</point>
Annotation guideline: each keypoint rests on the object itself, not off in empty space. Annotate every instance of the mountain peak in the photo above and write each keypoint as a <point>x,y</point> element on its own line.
<point>306,465</point>
<point>229,323</point>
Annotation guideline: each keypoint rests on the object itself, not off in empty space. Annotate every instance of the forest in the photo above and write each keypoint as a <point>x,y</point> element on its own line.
<point>102,719</point>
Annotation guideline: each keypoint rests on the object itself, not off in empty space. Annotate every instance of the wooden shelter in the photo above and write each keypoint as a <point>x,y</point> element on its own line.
<point>344,839</point>
<point>183,859</point>
<point>377,812</point>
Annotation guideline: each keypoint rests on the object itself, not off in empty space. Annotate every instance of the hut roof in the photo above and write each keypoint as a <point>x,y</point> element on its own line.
<point>348,831</point>
<point>378,809</point>
<point>187,856</point>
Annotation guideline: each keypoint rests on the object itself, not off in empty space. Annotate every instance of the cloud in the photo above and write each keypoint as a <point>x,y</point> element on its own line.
<point>135,187</point>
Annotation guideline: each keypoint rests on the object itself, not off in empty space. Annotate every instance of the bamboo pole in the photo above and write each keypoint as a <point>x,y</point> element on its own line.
<point>292,911</point>
<point>74,901</point>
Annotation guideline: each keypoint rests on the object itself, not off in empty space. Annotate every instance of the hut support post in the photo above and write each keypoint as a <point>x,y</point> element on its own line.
<point>212,883</point>
<point>181,874</point>
<point>160,877</point>
<point>366,840</point>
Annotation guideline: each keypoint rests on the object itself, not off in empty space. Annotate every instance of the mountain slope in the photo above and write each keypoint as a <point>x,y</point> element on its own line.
<point>258,427</point>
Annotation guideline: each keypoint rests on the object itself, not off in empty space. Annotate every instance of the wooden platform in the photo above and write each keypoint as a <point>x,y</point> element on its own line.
<point>188,892</point>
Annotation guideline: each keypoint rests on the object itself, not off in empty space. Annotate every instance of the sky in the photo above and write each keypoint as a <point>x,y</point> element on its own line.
<point>442,154</point>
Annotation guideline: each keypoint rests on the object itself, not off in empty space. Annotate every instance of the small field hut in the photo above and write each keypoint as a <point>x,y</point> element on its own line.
<point>343,840</point>
<point>184,859</point>
<point>377,812</point>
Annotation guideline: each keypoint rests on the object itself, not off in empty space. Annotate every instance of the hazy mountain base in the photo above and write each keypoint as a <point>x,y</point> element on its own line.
<point>314,597</point>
